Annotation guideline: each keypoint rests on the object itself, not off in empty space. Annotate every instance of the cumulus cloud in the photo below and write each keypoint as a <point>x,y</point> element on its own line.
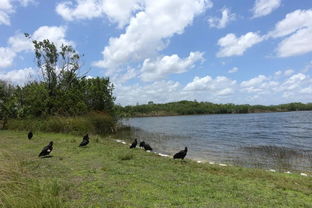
<point>220,86</point>
<point>236,46</point>
<point>297,44</point>
<point>118,11</point>
<point>294,87</point>
<point>159,91</point>
<point>233,70</point>
<point>265,7</point>
<point>297,28</point>
<point>6,57</point>
<point>148,31</point>
<point>293,22</point>
<point>157,69</point>
<point>20,76</point>
<point>288,72</point>
<point>19,43</point>
<point>222,22</point>
<point>56,34</point>
<point>7,8</point>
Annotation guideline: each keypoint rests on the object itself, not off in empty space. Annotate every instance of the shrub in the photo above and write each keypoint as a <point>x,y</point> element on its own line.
<point>95,122</point>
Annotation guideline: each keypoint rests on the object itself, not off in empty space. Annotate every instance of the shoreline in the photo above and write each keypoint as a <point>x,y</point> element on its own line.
<point>109,174</point>
<point>207,114</point>
<point>304,173</point>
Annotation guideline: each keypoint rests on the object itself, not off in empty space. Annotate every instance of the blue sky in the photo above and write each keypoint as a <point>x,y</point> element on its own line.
<point>255,52</point>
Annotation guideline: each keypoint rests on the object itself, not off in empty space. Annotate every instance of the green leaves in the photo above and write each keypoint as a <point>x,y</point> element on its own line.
<point>61,90</point>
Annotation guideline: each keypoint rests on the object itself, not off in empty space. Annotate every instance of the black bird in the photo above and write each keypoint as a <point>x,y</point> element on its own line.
<point>147,147</point>
<point>134,144</point>
<point>85,141</point>
<point>142,144</point>
<point>181,154</point>
<point>46,150</point>
<point>30,135</point>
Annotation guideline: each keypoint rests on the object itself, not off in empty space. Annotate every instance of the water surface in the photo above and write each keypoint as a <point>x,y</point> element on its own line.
<point>280,141</point>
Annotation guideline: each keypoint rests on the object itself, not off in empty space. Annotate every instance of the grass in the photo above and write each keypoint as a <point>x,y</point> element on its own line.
<point>109,174</point>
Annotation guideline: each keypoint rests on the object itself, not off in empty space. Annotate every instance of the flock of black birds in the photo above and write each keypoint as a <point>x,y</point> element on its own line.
<point>85,140</point>
<point>179,155</point>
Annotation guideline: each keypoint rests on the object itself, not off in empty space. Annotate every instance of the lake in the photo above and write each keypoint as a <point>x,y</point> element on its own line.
<point>281,141</point>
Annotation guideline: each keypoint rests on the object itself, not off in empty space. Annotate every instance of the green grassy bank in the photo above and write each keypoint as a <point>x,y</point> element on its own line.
<point>108,174</point>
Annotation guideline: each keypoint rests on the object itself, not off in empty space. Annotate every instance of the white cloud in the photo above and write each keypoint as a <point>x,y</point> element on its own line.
<point>278,73</point>
<point>293,22</point>
<point>261,89</point>
<point>7,8</point>
<point>233,70</point>
<point>222,22</point>
<point>297,26</point>
<point>219,86</point>
<point>131,73</point>
<point>153,70</point>
<point>26,2</point>
<point>260,84</point>
<point>20,43</point>
<point>53,33</point>
<point>288,72</point>
<point>254,81</point>
<point>20,77</point>
<point>118,11</point>
<point>297,44</point>
<point>6,57</point>
<point>265,7</point>
<point>148,32</point>
<point>233,46</point>
<point>160,91</point>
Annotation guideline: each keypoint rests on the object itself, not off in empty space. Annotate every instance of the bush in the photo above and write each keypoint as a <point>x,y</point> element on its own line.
<point>95,122</point>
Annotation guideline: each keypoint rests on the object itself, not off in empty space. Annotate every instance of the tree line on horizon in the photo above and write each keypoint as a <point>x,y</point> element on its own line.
<point>185,107</point>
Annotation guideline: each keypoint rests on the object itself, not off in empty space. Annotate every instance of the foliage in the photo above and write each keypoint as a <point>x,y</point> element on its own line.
<point>93,122</point>
<point>60,92</point>
<point>8,106</point>
<point>193,107</point>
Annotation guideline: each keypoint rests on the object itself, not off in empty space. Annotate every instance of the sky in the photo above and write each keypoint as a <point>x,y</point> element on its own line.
<point>241,52</point>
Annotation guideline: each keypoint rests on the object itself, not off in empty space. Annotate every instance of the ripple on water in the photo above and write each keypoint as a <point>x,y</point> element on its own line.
<point>279,141</point>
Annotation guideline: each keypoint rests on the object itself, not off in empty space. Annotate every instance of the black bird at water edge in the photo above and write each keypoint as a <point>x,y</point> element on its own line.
<point>142,144</point>
<point>134,144</point>
<point>147,147</point>
<point>181,154</point>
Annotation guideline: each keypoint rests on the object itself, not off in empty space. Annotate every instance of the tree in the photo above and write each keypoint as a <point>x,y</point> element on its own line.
<point>7,102</point>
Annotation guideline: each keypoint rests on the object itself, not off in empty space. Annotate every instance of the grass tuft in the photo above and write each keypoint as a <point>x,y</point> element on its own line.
<point>127,156</point>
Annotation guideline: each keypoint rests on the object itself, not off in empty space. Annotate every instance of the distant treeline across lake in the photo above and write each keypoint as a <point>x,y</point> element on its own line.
<point>196,108</point>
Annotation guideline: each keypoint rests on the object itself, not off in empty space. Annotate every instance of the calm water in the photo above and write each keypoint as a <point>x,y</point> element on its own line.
<point>280,141</point>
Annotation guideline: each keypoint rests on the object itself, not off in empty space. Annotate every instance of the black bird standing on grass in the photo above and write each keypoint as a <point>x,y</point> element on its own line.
<point>134,144</point>
<point>85,141</point>
<point>46,150</point>
<point>181,154</point>
<point>30,135</point>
